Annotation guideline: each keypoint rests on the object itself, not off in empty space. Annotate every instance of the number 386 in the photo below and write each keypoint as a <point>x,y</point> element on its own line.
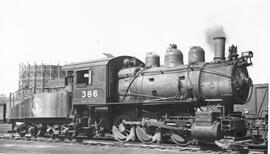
<point>89,93</point>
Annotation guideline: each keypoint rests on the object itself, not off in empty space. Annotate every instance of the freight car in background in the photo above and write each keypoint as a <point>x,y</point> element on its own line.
<point>176,102</point>
<point>257,104</point>
<point>255,109</point>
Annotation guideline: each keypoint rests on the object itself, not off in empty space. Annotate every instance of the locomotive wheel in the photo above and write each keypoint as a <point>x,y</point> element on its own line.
<point>148,135</point>
<point>182,139</point>
<point>122,132</point>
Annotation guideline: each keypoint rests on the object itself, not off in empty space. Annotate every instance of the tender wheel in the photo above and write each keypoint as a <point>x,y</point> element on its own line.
<point>51,134</point>
<point>34,131</point>
<point>22,130</point>
<point>41,131</point>
<point>122,132</point>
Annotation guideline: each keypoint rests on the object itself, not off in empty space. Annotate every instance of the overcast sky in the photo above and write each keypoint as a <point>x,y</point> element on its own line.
<point>63,31</point>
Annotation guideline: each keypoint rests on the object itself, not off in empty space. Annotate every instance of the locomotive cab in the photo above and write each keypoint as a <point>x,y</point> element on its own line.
<point>96,82</point>
<point>94,85</point>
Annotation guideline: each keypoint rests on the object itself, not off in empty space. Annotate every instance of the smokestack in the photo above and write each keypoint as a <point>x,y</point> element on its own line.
<point>219,48</point>
<point>212,32</point>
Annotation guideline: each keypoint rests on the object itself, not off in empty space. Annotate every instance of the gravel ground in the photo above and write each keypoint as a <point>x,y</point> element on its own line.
<point>29,147</point>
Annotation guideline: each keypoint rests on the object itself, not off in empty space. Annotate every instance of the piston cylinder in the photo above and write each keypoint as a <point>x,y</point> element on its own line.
<point>219,48</point>
<point>207,132</point>
<point>206,126</point>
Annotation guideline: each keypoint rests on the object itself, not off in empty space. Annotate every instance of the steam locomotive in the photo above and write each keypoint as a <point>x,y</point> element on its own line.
<point>131,100</point>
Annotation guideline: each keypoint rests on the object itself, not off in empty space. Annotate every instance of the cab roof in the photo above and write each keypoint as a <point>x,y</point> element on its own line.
<point>91,63</point>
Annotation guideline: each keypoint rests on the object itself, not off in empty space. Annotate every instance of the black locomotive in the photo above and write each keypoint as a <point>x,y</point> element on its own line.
<point>127,98</point>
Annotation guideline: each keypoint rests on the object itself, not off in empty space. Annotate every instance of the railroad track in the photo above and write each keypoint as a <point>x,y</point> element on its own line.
<point>113,143</point>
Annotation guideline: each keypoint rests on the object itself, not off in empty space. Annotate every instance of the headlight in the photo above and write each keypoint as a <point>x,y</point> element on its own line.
<point>247,54</point>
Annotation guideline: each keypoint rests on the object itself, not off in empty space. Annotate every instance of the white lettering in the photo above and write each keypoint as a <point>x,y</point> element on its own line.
<point>95,93</point>
<point>89,93</point>
<point>83,94</point>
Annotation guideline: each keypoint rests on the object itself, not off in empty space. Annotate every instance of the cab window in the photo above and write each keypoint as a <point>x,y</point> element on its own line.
<point>84,76</point>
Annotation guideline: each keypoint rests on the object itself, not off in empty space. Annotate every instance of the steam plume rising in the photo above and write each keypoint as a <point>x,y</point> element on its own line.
<point>215,31</point>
